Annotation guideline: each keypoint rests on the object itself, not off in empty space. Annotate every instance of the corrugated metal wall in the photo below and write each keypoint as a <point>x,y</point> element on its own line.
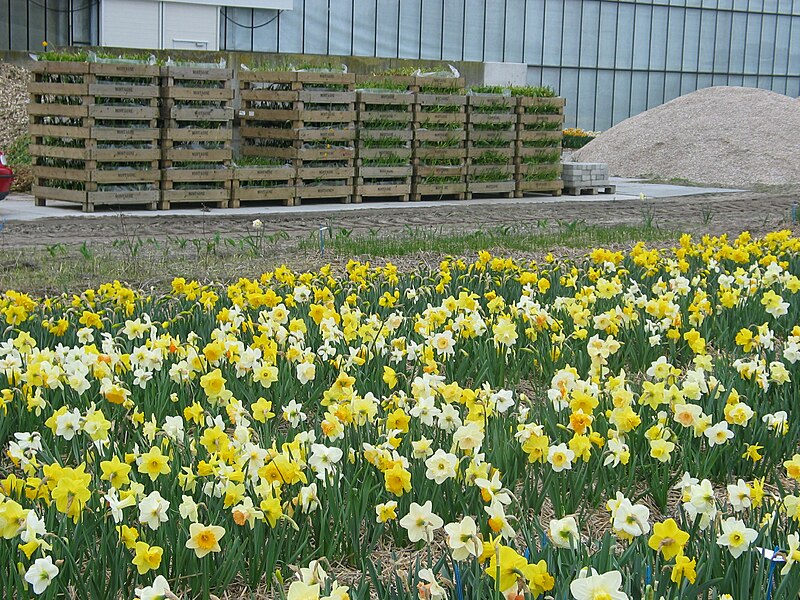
<point>610,58</point>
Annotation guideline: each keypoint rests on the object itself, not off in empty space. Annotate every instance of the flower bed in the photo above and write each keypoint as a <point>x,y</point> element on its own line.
<point>621,426</point>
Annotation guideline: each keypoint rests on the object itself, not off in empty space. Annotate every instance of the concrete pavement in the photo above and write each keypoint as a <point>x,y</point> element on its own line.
<point>20,207</point>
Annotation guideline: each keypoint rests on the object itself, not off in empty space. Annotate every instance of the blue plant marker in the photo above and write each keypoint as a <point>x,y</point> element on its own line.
<point>527,554</point>
<point>648,575</point>
<point>772,561</point>
<point>457,572</point>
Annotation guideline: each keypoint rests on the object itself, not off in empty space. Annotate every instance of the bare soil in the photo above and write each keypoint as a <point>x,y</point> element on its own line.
<point>65,254</point>
<point>715,214</point>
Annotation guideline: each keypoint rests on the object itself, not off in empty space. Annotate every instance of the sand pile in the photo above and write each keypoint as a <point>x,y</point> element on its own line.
<point>726,135</point>
<point>13,98</point>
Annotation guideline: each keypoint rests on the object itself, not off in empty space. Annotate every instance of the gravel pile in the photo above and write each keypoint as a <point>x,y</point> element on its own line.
<point>13,98</point>
<point>732,136</point>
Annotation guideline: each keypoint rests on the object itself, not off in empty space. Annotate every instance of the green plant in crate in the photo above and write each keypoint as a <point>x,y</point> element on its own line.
<point>531,91</point>
<point>542,158</point>
<point>548,175</point>
<point>487,89</point>
<point>490,158</point>
<point>62,56</point>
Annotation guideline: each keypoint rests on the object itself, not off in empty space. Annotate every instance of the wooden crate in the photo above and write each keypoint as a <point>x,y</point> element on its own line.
<point>437,180</point>
<point>540,121</point>
<point>495,179</point>
<point>343,192</point>
<point>298,115</point>
<point>205,186</point>
<point>381,182</point>
<point>124,80</point>
<point>440,139</point>
<point>529,179</point>
<point>384,168</point>
<point>89,200</point>
<point>261,183</point>
<point>540,105</point>
<point>59,101</point>
<point>500,172</point>
<point>326,79</point>
<point>197,124</point>
<point>538,154</point>
<point>429,102</point>
<point>415,83</point>
<point>553,187</point>
<point>492,122</point>
<point>83,163</point>
<point>334,180</point>
<point>177,77</point>
<point>439,147</point>
<point>424,190</point>
<point>86,119</point>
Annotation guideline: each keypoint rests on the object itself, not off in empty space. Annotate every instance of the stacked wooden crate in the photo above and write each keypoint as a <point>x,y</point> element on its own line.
<point>538,157</point>
<point>269,109</point>
<point>58,112</point>
<point>308,119</point>
<point>325,136</point>
<point>491,144</point>
<point>95,133</point>
<point>440,138</point>
<point>383,145</point>
<point>197,136</point>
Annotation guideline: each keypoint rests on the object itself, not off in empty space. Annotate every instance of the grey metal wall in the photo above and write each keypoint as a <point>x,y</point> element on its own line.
<point>610,58</point>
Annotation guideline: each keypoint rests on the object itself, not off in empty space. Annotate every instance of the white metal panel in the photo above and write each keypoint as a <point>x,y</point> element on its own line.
<point>130,23</point>
<point>268,4</point>
<point>190,26</point>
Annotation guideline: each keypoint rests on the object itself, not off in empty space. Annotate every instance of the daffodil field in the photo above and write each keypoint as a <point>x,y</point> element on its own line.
<point>618,427</point>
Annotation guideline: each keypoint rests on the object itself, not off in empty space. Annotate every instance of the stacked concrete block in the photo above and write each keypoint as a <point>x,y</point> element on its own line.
<point>584,175</point>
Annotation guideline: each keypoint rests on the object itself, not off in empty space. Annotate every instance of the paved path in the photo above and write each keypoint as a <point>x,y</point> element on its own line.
<point>20,207</point>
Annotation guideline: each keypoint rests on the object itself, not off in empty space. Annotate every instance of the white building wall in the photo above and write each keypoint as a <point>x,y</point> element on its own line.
<point>130,23</point>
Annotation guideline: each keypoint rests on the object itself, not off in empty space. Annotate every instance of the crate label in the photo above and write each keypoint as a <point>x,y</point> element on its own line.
<point>125,110</point>
<point>124,153</point>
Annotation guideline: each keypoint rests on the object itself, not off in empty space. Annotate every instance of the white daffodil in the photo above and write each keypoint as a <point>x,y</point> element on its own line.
<point>595,586</point>
<point>421,522</point>
<point>41,573</point>
<point>564,532</point>
<point>463,539</point>
<point>736,536</point>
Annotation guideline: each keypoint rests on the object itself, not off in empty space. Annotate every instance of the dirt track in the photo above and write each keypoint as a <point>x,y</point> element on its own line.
<point>757,212</point>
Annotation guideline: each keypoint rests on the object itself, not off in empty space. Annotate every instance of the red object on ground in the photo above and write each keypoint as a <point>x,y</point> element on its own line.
<point>6,177</point>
